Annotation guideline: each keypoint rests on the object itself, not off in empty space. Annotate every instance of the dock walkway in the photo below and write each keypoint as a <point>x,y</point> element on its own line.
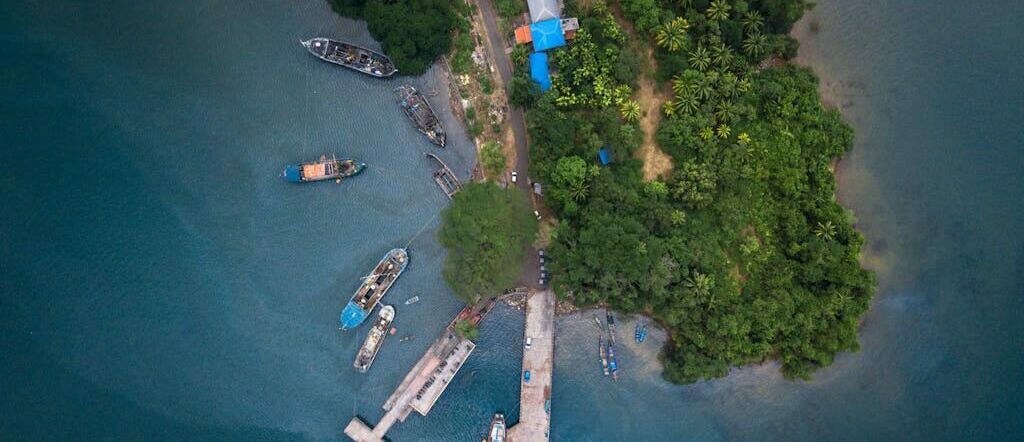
<point>535,395</point>
<point>421,387</point>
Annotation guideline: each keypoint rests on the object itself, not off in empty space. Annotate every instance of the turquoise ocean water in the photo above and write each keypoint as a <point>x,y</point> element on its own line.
<point>159,281</point>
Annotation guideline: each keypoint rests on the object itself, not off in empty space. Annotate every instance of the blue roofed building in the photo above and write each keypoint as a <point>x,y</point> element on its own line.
<point>547,34</point>
<point>539,70</point>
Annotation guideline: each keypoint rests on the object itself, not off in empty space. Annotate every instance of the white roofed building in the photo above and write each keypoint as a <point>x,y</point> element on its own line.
<point>541,10</point>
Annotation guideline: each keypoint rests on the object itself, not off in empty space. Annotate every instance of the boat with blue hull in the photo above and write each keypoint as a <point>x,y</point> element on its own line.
<point>322,169</point>
<point>374,287</point>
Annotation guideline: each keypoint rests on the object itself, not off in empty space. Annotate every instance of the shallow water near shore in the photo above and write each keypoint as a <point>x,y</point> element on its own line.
<point>161,283</point>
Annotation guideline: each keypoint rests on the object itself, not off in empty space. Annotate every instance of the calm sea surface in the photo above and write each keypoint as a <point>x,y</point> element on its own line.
<point>160,282</point>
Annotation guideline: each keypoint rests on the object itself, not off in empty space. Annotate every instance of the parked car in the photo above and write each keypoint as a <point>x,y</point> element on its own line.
<point>526,376</point>
<point>537,214</point>
<point>541,253</point>
<point>529,342</point>
<point>514,176</point>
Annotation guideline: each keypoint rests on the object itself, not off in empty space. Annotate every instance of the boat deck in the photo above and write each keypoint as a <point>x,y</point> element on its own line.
<point>445,178</point>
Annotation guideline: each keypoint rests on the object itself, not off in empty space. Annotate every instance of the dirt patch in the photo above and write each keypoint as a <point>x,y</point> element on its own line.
<point>656,162</point>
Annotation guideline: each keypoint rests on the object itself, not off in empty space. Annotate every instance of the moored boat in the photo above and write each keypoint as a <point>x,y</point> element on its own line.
<point>322,169</point>
<point>497,431</point>
<point>412,300</point>
<point>374,339</point>
<point>354,57</point>
<point>603,351</point>
<point>374,287</point>
<point>613,365</point>
<point>418,109</point>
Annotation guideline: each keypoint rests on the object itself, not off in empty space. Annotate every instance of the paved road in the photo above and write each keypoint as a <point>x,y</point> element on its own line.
<point>530,275</point>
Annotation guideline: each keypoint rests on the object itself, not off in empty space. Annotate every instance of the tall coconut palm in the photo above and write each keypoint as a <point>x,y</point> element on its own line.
<point>679,85</point>
<point>723,131</point>
<point>706,133</point>
<point>825,231</point>
<point>699,59</point>
<point>755,45</point>
<point>630,110</point>
<point>752,21</point>
<point>718,10</point>
<point>672,35</point>
<point>721,55</point>
<point>579,191</point>
<point>743,138</point>
<point>700,286</point>
<point>688,102</point>
<point>725,111</point>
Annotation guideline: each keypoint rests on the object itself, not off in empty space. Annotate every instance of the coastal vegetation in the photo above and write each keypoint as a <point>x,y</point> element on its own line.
<point>413,33</point>
<point>467,329</point>
<point>486,230</point>
<point>741,251</point>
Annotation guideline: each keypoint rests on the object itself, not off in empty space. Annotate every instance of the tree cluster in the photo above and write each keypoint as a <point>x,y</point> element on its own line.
<point>413,33</point>
<point>486,230</point>
<point>742,253</point>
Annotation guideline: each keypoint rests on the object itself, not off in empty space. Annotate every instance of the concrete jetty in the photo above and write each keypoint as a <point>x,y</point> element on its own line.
<point>421,387</point>
<point>535,395</point>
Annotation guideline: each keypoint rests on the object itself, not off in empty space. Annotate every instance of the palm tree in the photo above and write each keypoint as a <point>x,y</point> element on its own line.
<point>700,285</point>
<point>755,45</point>
<point>706,133</point>
<point>723,131</point>
<point>825,231</point>
<point>668,108</point>
<point>699,59</point>
<point>718,10</point>
<point>579,191</point>
<point>679,85</point>
<point>706,88</point>
<point>721,55</point>
<point>672,35</point>
<point>744,85</point>
<point>725,111</point>
<point>630,110</point>
<point>727,84</point>
<point>688,102</point>
<point>752,21</point>
<point>743,138</point>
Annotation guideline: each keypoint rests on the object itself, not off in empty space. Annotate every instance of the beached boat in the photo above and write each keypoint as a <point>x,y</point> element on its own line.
<point>412,300</point>
<point>640,334</point>
<point>374,287</point>
<point>611,328</point>
<point>322,169</point>
<point>374,339</point>
<point>497,432</point>
<point>351,56</point>
<point>418,109</point>
<point>603,351</point>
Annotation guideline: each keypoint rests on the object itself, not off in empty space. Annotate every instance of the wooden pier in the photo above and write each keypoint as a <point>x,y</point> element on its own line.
<point>445,178</point>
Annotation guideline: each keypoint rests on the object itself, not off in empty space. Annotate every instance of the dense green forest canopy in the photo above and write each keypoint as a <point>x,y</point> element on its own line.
<point>742,253</point>
<point>413,33</point>
<point>486,230</point>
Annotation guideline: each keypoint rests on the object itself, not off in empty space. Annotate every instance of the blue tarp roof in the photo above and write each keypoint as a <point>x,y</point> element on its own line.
<point>606,156</point>
<point>539,70</point>
<point>547,34</point>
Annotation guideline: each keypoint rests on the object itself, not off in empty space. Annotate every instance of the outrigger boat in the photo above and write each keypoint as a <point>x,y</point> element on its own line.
<point>323,169</point>
<point>374,339</point>
<point>640,334</point>
<point>613,366</point>
<point>418,109</point>
<point>374,287</point>
<point>351,56</point>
